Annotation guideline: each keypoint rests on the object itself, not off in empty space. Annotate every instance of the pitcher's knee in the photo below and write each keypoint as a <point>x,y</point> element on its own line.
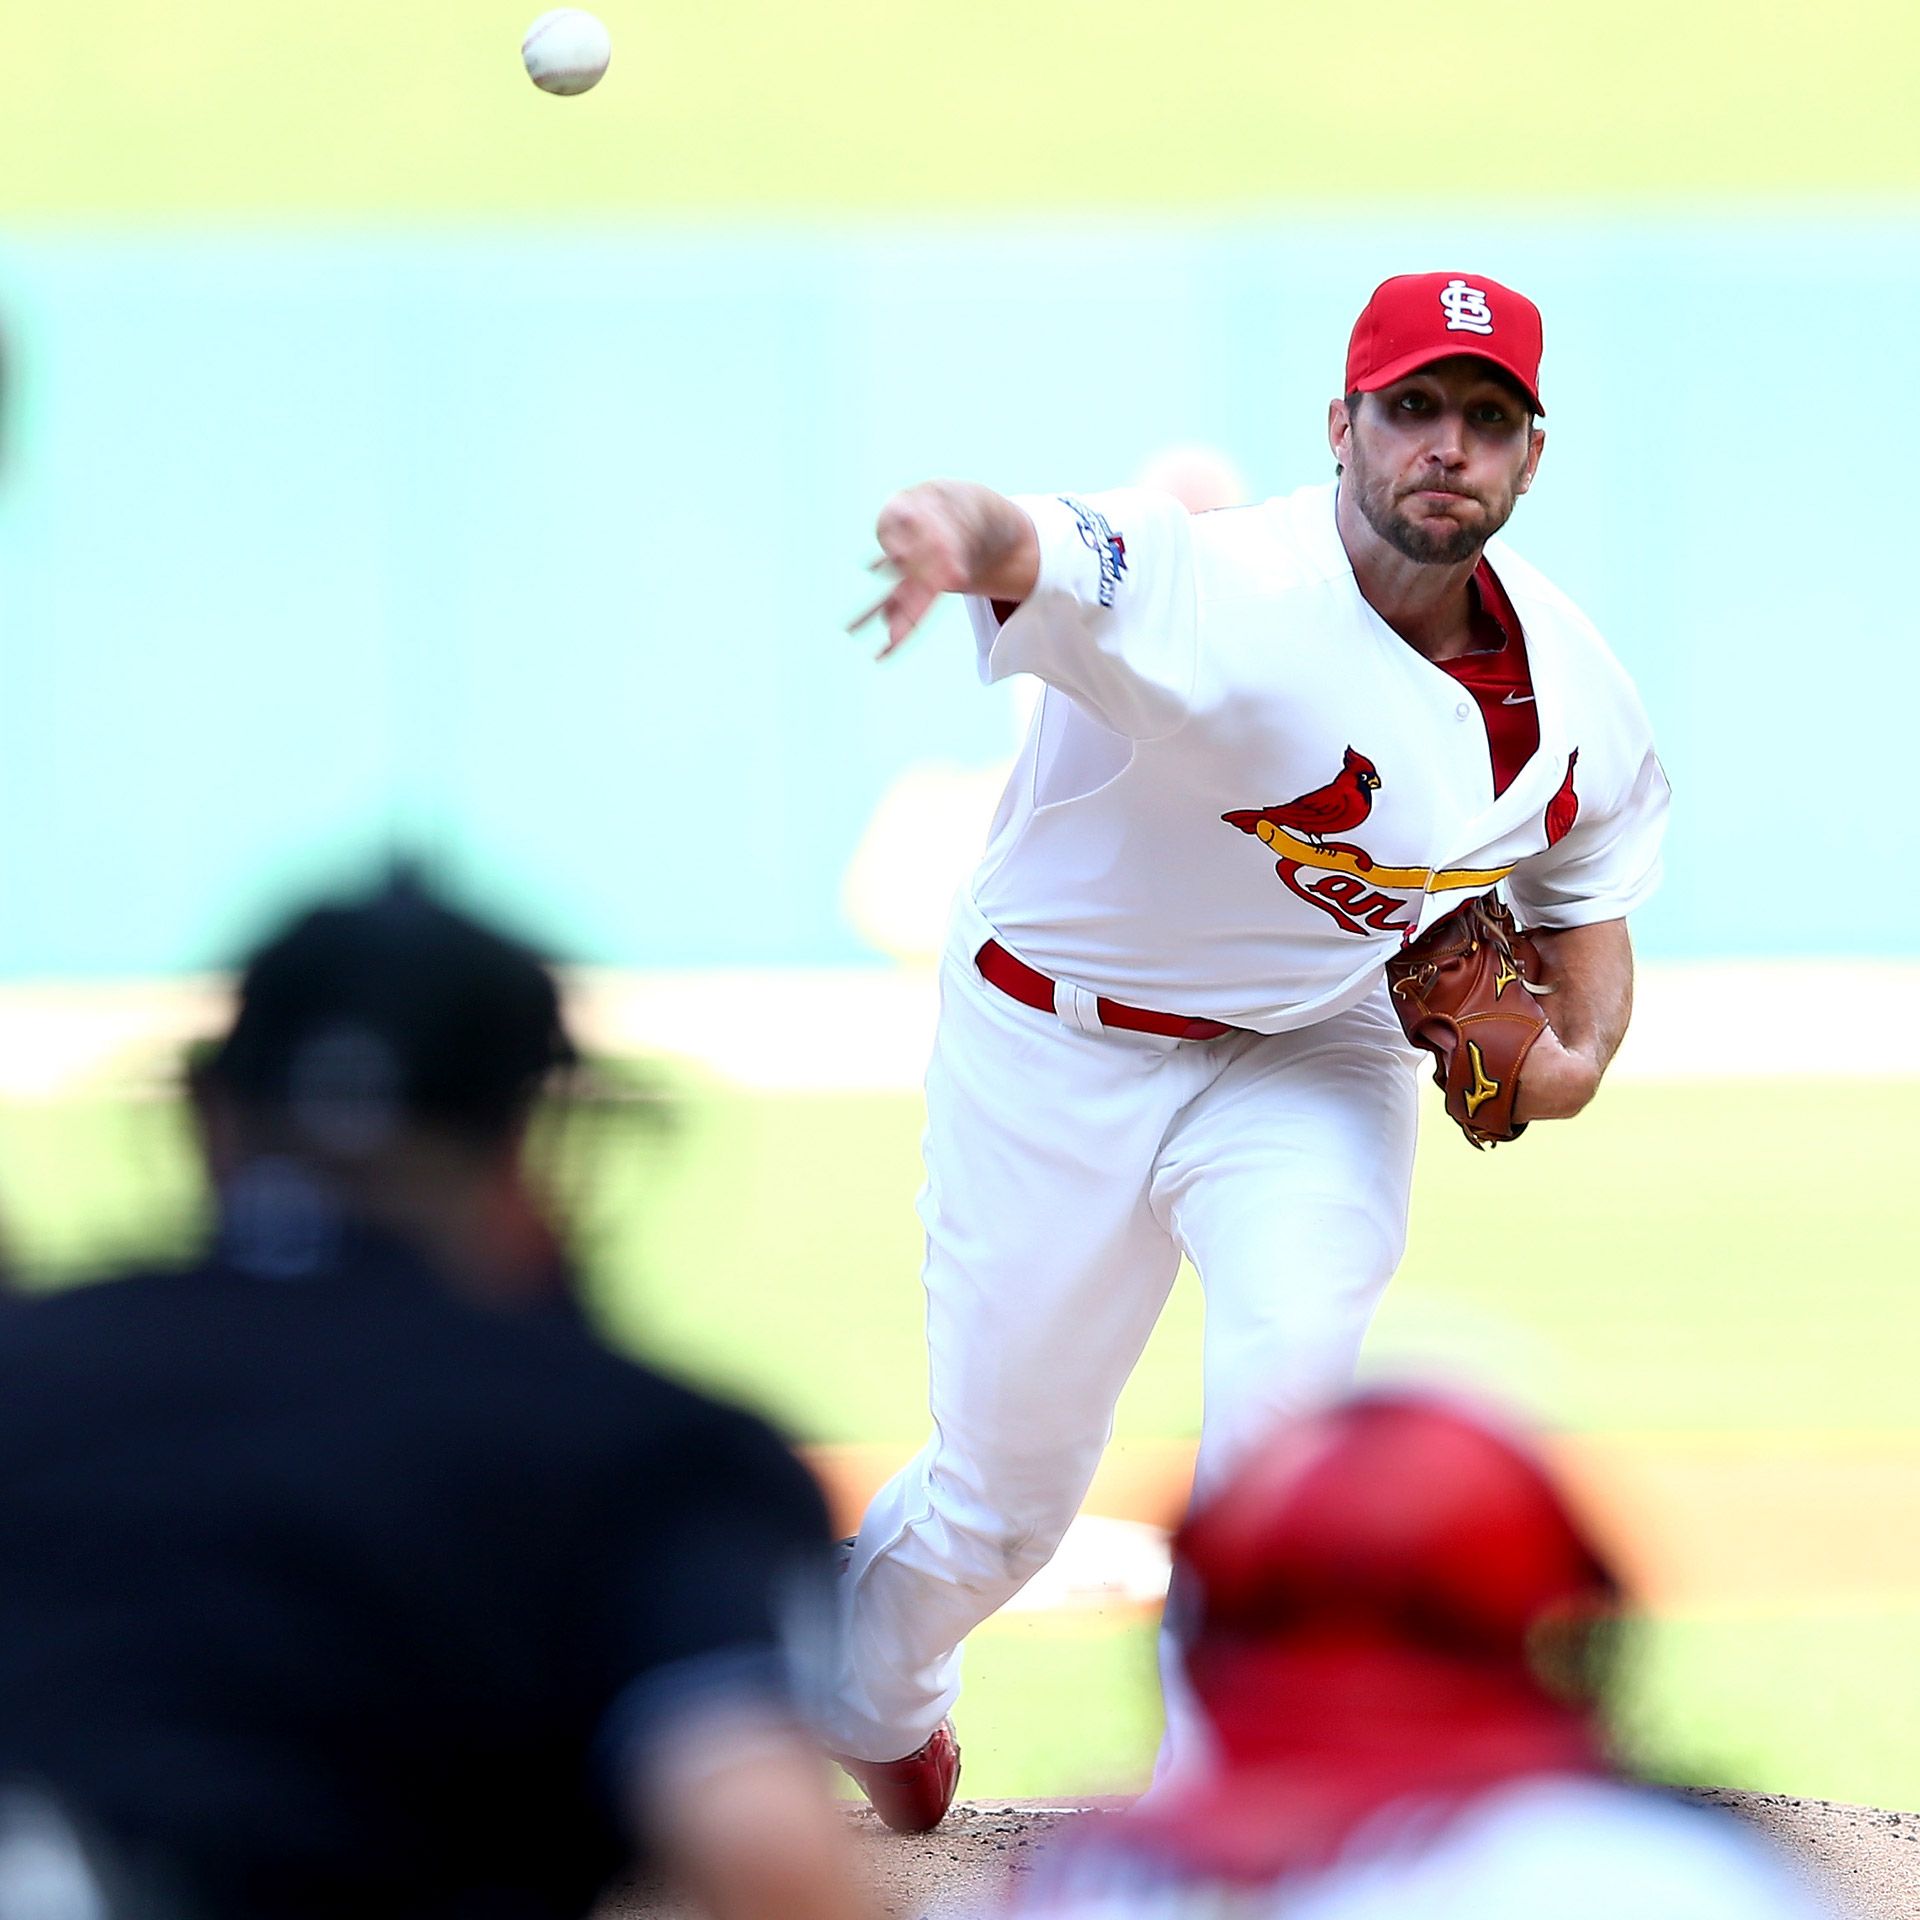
<point>1359,1251</point>
<point>987,1550</point>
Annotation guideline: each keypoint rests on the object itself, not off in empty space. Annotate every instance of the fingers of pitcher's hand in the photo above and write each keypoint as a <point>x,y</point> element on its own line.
<point>860,619</point>
<point>906,607</point>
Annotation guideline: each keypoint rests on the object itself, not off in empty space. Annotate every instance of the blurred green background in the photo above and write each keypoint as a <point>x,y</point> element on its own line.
<point>399,457</point>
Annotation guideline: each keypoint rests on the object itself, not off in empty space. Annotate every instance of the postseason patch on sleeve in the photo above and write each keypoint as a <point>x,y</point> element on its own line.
<point>1109,548</point>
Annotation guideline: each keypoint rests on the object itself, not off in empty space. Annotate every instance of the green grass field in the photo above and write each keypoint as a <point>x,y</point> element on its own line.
<point>1692,1259</point>
<point>1725,1262</point>
<point>1816,1703</point>
<point>1705,1260</point>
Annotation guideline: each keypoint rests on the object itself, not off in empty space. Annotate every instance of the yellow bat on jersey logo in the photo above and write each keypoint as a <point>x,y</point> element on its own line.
<point>1411,879</point>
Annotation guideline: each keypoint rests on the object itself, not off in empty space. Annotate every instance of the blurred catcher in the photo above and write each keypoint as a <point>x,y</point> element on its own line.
<point>343,1571</point>
<point>1399,1635</point>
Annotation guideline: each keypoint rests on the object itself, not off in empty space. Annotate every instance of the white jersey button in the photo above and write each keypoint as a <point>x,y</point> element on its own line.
<point>1461,711</point>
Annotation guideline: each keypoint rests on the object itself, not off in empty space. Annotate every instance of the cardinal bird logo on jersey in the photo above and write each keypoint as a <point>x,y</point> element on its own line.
<point>1301,832</point>
<point>1564,808</point>
<point>1338,807</point>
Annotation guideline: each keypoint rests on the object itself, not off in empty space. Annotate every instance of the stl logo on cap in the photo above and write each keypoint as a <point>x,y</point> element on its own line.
<point>1466,308</point>
<point>1415,319</point>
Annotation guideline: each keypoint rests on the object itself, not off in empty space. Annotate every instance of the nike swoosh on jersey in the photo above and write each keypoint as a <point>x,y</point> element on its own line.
<point>1517,700</point>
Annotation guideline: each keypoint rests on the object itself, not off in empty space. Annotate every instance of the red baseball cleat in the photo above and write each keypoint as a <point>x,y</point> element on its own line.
<point>911,1795</point>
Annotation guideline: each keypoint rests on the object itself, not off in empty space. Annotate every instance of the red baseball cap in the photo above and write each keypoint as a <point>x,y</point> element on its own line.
<point>1415,319</point>
<point>1412,1511</point>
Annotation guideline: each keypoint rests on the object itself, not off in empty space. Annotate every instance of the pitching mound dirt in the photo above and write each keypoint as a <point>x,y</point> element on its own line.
<point>1866,1860</point>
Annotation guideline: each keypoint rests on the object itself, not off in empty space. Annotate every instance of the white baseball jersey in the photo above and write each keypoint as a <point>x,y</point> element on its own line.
<point>1203,666</point>
<point>1559,1848</point>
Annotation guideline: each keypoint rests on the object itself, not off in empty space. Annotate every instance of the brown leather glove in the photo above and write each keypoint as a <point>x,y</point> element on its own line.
<point>1467,991</point>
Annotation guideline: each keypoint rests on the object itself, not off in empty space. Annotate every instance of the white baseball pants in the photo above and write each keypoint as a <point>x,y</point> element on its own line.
<point>1067,1171</point>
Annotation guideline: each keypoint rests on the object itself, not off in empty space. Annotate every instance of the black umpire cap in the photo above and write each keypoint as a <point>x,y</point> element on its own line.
<point>397,1009</point>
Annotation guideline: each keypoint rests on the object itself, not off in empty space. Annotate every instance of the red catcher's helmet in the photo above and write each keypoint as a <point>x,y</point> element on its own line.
<point>1403,1516</point>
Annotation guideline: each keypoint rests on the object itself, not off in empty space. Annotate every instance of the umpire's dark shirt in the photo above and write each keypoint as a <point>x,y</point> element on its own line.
<point>345,1597</point>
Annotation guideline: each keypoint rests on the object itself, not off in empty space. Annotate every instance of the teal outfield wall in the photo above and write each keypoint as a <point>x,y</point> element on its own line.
<point>532,551</point>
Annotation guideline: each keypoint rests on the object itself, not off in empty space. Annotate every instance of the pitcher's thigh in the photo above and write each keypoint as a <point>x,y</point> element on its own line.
<point>1046,1265</point>
<point>1292,1204</point>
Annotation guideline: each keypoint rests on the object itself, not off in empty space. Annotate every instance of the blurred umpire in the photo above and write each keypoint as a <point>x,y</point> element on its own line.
<point>342,1572</point>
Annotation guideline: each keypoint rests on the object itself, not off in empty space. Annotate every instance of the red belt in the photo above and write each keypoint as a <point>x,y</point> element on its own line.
<point>1032,988</point>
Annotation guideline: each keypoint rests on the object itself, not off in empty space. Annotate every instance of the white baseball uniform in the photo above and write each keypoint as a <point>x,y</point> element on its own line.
<point>1575,1849</point>
<point>1195,667</point>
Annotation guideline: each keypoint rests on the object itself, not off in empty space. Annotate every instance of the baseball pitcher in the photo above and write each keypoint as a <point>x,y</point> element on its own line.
<point>1319,792</point>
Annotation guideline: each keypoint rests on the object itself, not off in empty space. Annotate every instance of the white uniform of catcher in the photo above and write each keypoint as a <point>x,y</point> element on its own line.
<point>1195,667</point>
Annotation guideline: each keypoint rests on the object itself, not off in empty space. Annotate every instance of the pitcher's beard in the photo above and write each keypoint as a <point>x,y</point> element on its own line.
<point>1430,543</point>
<point>1426,543</point>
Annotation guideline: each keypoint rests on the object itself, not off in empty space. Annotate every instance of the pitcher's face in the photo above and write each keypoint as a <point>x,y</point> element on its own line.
<point>1436,461</point>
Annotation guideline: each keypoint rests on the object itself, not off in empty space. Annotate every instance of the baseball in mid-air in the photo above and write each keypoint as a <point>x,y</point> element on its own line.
<point>566,51</point>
